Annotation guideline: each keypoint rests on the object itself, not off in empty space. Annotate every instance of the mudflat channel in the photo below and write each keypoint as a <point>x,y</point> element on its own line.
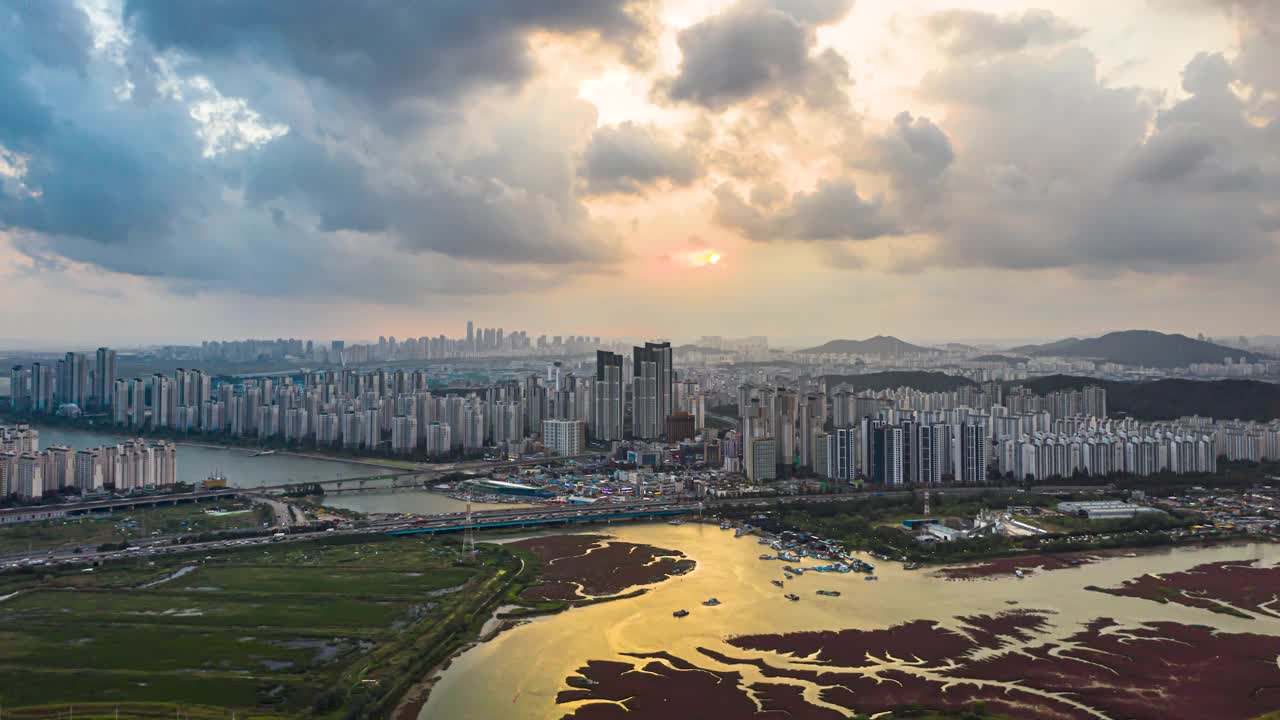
<point>1025,647</point>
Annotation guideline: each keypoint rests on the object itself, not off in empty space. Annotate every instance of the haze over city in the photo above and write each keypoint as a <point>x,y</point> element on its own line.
<point>937,170</point>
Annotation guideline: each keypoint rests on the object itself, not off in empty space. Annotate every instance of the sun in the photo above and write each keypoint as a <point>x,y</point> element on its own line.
<point>703,258</point>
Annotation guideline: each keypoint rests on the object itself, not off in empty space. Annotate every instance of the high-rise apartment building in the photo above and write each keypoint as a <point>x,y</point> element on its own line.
<point>104,377</point>
<point>653,390</point>
<point>607,413</point>
<point>564,437</point>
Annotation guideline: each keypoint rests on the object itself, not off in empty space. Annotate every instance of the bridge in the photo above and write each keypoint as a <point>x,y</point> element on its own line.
<point>50,512</point>
<point>535,517</point>
<point>419,477</point>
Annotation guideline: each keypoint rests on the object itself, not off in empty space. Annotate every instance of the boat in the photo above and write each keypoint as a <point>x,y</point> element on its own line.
<point>725,525</point>
<point>261,453</point>
<point>676,522</point>
<point>680,613</point>
<point>776,582</point>
<point>768,557</point>
<point>1018,572</point>
<point>829,593</point>
<point>741,531</point>
<point>792,597</point>
<point>912,566</point>
<point>788,576</point>
<point>871,577</point>
<point>711,602</point>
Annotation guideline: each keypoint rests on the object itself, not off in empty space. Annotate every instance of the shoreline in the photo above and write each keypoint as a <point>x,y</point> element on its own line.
<point>113,431</point>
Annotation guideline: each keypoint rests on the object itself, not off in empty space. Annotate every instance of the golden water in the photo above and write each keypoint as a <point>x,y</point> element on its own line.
<point>518,674</point>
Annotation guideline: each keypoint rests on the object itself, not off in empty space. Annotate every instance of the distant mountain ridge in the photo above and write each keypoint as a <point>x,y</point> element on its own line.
<point>1140,347</point>
<point>881,345</point>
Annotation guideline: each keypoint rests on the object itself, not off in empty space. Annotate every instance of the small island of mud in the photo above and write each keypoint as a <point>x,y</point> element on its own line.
<point>1239,588</point>
<point>580,567</point>
<point>1015,664</point>
<point>1028,564</point>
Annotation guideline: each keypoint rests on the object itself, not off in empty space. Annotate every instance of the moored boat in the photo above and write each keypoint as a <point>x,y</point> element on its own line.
<point>792,597</point>
<point>711,602</point>
<point>829,593</point>
<point>776,582</point>
<point>680,613</point>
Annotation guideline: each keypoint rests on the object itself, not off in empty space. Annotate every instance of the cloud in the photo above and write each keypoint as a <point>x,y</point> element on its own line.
<point>834,211</point>
<point>1055,168</point>
<point>969,32</point>
<point>289,187</point>
<point>55,34</point>
<point>813,12</point>
<point>749,50</point>
<point>387,51</point>
<point>628,158</point>
<point>913,153</point>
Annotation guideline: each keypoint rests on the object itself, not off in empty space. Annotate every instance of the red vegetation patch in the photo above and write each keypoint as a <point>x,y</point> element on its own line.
<point>1008,566</point>
<point>1153,671</point>
<point>599,565</point>
<point>1213,586</point>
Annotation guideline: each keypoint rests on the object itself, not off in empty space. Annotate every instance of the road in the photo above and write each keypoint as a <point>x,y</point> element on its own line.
<point>507,517</point>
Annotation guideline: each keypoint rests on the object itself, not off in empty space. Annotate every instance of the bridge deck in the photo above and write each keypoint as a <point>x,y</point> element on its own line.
<point>481,524</point>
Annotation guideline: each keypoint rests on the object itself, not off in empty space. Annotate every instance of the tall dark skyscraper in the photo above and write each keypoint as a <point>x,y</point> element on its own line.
<point>653,390</point>
<point>607,413</point>
<point>104,377</point>
<point>471,336</point>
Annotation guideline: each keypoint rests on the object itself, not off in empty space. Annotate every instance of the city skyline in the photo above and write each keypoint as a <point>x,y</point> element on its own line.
<point>1045,168</point>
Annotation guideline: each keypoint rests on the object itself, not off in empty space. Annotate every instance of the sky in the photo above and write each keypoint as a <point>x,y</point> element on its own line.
<point>178,170</point>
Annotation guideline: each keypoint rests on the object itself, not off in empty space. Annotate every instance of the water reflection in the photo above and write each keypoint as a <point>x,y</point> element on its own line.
<point>529,663</point>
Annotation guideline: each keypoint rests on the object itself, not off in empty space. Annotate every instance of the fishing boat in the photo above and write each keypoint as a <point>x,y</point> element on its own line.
<point>788,576</point>
<point>725,525</point>
<point>680,613</point>
<point>829,593</point>
<point>676,522</point>
<point>1019,573</point>
<point>870,577</point>
<point>741,531</point>
<point>711,602</point>
<point>792,597</point>
<point>912,566</point>
<point>776,582</point>
<point>768,557</point>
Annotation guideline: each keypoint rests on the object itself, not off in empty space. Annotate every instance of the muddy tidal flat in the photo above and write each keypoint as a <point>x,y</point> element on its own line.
<point>577,567</point>
<point>1044,646</point>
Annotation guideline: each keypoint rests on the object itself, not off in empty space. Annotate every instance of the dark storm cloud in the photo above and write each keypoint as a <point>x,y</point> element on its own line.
<point>753,49</point>
<point>964,32</point>
<point>471,201</point>
<point>834,211</point>
<point>53,33</point>
<point>385,49</point>
<point>629,158</point>
<point>913,153</point>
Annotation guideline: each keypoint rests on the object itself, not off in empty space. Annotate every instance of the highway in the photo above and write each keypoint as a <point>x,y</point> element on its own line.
<point>511,518</point>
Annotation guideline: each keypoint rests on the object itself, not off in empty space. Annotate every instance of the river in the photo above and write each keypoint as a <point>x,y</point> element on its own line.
<point>518,674</point>
<point>197,462</point>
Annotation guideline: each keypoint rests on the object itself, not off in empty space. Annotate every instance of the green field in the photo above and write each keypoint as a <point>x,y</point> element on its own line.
<point>336,628</point>
<point>95,529</point>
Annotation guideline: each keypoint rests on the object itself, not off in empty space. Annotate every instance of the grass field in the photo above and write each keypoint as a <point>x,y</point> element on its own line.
<point>334,628</point>
<point>93,530</point>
